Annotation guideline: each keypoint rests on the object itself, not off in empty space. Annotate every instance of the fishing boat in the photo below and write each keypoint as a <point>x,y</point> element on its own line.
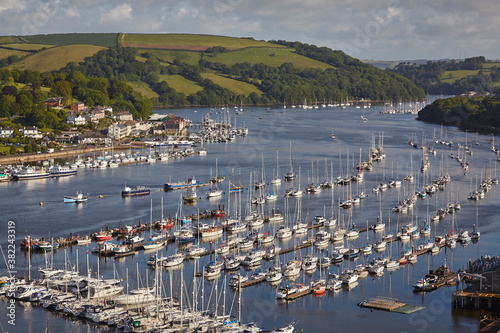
<point>332,135</point>
<point>29,173</point>
<point>137,191</point>
<point>191,198</point>
<point>78,198</point>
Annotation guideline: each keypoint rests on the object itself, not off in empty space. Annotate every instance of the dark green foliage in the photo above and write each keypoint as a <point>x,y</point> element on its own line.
<point>466,112</point>
<point>105,40</point>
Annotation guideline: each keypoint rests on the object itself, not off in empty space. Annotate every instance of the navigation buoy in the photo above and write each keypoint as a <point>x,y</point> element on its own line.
<point>41,203</point>
<point>161,190</point>
<point>100,197</point>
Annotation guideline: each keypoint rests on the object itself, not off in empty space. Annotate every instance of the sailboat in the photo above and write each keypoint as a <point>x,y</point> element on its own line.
<point>215,192</point>
<point>262,182</point>
<point>290,175</point>
<point>276,179</point>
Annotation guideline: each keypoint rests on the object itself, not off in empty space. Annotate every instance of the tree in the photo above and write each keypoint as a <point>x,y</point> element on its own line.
<point>62,88</point>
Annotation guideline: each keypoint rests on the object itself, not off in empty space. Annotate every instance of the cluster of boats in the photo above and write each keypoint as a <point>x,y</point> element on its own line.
<point>103,301</point>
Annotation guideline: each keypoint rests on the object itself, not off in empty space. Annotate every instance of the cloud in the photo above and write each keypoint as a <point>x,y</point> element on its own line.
<point>117,14</point>
<point>392,29</point>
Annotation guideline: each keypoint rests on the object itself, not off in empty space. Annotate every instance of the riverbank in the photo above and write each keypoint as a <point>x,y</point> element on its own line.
<point>18,159</point>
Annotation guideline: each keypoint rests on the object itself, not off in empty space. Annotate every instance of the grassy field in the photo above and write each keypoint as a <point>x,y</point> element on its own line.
<point>8,40</point>
<point>26,47</point>
<point>56,58</point>
<point>192,40</point>
<point>233,85</point>
<point>5,53</point>
<point>143,88</point>
<point>190,57</point>
<point>105,40</point>
<point>181,84</point>
<point>457,75</point>
<point>268,56</point>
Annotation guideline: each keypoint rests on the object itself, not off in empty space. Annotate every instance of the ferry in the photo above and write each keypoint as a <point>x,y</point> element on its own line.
<point>190,182</point>
<point>61,171</point>
<point>30,173</point>
<point>137,191</point>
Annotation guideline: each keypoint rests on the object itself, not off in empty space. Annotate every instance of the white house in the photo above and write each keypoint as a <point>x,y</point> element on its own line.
<point>6,132</point>
<point>31,132</point>
<point>78,120</point>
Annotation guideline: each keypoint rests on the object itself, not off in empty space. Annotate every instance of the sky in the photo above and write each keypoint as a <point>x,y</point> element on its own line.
<point>365,29</point>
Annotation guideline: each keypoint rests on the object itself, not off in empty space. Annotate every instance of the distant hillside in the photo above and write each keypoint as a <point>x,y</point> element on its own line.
<point>173,69</point>
<point>451,77</point>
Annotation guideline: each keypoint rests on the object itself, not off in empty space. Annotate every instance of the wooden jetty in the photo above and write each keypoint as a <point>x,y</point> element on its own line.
<point>389,304</point>
<point>297,295</point>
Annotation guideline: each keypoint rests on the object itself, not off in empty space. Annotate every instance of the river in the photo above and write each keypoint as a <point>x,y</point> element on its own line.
<point>270,131</point>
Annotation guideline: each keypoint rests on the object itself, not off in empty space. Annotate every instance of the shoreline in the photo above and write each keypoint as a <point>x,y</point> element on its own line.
<point>14,159</point>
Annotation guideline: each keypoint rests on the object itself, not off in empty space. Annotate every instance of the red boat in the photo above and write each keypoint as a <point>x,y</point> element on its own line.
<point>219,213</point>
<point>165,224</point>
<point>105,236</point>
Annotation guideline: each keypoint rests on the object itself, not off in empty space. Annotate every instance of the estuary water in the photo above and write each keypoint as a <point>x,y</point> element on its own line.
<point>272,131</point>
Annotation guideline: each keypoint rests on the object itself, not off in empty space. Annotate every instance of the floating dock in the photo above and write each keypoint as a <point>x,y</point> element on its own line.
<point>389,304</point>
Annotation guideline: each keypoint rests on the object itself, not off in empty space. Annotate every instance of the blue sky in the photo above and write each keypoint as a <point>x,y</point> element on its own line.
<point>381,30</point>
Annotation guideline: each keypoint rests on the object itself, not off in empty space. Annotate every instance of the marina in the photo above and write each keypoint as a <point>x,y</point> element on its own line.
<point>106,213</point>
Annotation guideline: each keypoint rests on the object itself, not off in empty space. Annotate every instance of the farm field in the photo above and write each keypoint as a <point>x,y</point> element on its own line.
<point>269,56</point>
<point>181,84</point>
<point>142,88</point>
<point>236,86</point>
<point>189,41</point>
<point>56,58</point>
<point>104,40</point>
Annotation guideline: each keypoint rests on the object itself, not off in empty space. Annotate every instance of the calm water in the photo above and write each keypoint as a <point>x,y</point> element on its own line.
<point>270,131</point>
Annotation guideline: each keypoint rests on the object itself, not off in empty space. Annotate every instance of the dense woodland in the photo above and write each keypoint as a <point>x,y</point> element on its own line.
<point>466,112</point>
<point>430,76</point>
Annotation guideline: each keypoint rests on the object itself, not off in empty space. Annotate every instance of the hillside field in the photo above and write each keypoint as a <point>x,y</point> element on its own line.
<point>181,84</point>
<point>26,47</point>
<point>269,56</point>
<point>236,86</point>
<point>5,53</point>
<point>189,41</point>
<point>104,40</point>
<point>56,58</point>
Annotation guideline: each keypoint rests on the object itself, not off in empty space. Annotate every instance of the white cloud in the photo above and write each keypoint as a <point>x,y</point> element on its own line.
<point>117,14</point>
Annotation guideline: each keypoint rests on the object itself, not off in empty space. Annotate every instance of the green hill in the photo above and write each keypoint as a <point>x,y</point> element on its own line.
<point>56,58</point>
<point>174,69</point>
